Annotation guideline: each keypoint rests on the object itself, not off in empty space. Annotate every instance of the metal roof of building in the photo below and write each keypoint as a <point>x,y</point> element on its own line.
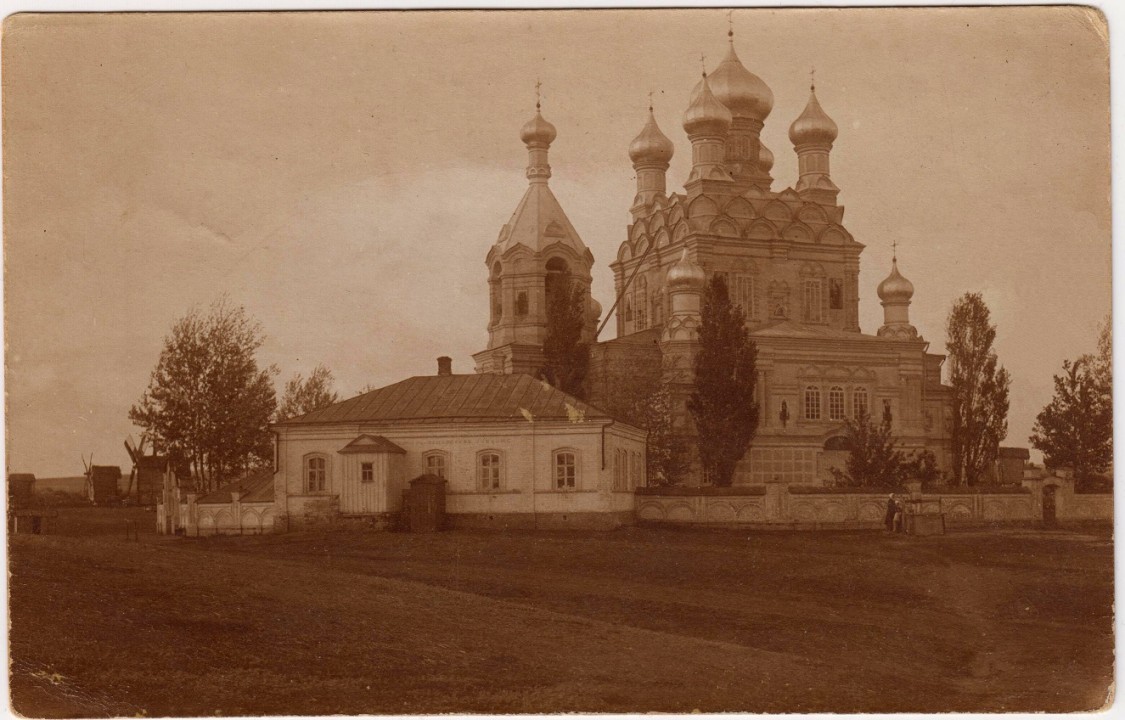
<point>255,487</point>
<point>455,398</point>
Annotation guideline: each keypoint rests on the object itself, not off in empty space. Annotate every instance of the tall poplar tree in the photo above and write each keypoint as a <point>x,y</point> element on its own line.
<point>722,403</point>
<point>568,358</point>
<point>980,390</point>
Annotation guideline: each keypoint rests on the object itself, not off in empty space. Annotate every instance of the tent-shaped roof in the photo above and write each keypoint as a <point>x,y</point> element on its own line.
<point>455,398</point>
<point>539,221</point>
<point>255,487</point>
<point>369,444</point>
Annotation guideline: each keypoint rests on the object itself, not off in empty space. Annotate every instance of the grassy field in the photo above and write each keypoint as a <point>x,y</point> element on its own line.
<point>633,620</point>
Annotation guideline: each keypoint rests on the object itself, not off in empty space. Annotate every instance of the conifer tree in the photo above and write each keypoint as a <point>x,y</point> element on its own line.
<point>567,357</point>
<point>1076,429</point>
<point>722,403</point>
<point>980,390</point>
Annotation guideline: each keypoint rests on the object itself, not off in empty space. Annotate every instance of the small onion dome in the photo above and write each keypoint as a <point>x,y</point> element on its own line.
<point>685,273</point>
<point>813,125</point>
<point>651,145</point>
<point>765,158</point>
<point>595,310</point>
<point>895,288</point>
<point>538,130</point>
<point>706,115</point>
<point>743,92</point>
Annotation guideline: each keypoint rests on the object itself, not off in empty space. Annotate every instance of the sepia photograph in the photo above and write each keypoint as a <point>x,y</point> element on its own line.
<point>711,360</point>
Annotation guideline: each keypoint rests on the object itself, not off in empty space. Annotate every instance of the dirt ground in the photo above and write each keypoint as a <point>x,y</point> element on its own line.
<point>629,621</point>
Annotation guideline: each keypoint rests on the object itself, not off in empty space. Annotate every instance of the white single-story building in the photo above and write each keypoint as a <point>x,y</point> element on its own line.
<point>514,452</point>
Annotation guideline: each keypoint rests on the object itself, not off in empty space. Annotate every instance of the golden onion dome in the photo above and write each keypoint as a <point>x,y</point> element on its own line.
<point>895,287</point>
<point>813,125</point>
<point>705,114</point>
<point>538,130</point>
<point>765,158</point>
<point>651,145</point>
<point>686,273</point>
<point>743,92</point>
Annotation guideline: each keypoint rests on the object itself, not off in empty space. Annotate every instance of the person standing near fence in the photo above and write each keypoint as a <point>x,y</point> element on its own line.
<point>892,507</point>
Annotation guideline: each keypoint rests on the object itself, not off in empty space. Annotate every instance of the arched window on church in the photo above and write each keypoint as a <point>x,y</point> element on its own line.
<point>642,302</point>
<point>494,294</point>
<point>859,403</point>
<point>521,304</point>
<point>657,308</point>
<point>628,309</point>
<point>812,293</point>
<point>812,402</point>
<point>836,403</point>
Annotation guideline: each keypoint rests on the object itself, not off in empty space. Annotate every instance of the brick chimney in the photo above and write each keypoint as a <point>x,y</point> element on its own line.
<point>444,365</point>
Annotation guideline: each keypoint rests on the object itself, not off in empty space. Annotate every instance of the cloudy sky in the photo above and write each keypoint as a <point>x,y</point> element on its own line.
<point>343,175</point>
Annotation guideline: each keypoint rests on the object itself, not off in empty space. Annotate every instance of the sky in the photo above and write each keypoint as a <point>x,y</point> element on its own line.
<point>342,176</point>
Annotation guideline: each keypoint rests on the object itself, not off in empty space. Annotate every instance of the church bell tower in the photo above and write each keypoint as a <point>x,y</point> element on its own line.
<point>538,253</point>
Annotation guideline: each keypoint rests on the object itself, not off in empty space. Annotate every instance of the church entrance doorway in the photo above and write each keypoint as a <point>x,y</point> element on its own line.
<point>1049,507</point>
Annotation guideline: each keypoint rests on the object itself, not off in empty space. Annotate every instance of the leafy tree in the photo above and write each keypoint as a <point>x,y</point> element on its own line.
<point>722,403</point>
<point>642,397</point>
<point>923,466</point>
<point>979,390</point>
<point>666,457</point>
<point>208,405</point>
<point>872,459</point>
<point>568,358</point>
<point>1076,428</point>
<point>303,395</point>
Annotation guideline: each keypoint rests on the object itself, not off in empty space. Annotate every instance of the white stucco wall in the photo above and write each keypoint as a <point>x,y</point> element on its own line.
<point>527,451</point>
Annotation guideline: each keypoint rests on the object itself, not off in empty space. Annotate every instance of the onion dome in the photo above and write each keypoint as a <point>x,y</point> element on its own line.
<point>706,115</point>
<point>538,130</point>
<point>685,273</point>
<point>813,125</point>
<point>895,288</point>
<point>743,92</point>
<point>595,310</point>
<point>765,158</point>
<point>651,146</point>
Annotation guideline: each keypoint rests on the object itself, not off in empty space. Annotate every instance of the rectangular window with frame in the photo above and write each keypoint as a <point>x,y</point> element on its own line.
<point>435,464</point>
<point>836,403</point>
<point>316,473</point>
<point>741,291</point>
<point>566,471</point>
<point>813,301</point>
<point>488,471</point>
<point>367,472</point>
<point>812,403</point>
<point>835,294</point>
